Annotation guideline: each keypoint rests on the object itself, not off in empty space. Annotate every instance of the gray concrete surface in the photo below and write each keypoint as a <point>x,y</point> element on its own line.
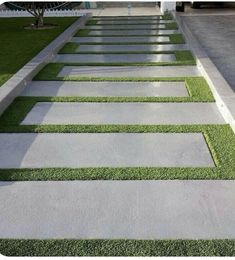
<point>118,209</point>
<point>128,18</point>
<point>104,150</point>
<point>122,39</point>
<point>125,26</point>
<point>219,42</point>
<point>135,47</point>
<point>123,58</point>
<point>136,21</point>
<point>131,32</point>
<point>106,89</point>
<point>130,71</point>
<point>123,113</point>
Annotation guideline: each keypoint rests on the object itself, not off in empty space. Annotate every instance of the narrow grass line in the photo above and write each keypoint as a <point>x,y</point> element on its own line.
<point>115,247</point>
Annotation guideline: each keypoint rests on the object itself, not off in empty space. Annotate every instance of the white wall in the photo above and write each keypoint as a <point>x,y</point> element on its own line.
<point>167,6</point>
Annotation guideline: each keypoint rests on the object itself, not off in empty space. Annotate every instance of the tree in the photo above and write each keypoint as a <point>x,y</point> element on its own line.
<point>37,9</point>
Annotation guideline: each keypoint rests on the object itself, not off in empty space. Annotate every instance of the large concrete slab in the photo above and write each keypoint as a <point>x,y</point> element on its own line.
<point>118,209</point>
<point>123,113</point>
<point>130,18</point>
<point>106,89</point>
<point>131,32</point>
<point>129,71</point>
<point>121,39</point>
<point>126,27</point>
<point>134,47</point>
<point>29,150</point>
<point>123,58</point>
<point>134,21</point>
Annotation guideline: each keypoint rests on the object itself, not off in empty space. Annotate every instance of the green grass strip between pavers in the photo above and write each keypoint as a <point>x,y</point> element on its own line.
<point>127,247</point>
<point>174,39</point>
<point>220,140</point>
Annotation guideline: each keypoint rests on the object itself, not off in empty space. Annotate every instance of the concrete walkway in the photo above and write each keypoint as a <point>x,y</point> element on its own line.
<point>115,209</point>
<point>118,209</point>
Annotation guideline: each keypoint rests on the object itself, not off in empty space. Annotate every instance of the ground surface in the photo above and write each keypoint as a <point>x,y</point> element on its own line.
<point>122,152</point>
<point>219,42</point>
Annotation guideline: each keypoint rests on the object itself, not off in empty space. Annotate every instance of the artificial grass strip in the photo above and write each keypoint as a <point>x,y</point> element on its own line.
<point>117,247</point>
<point>220,140</point>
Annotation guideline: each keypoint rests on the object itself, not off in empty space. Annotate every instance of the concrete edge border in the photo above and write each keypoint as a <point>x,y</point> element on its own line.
<point>13,87</point>
<point>224,95</point>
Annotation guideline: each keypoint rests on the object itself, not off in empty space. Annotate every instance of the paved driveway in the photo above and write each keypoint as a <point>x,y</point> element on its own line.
<point>216,33</point>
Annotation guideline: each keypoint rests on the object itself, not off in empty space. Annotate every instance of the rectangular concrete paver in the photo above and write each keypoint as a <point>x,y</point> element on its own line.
<point>140,47</point>
<point>29,150</point>
<point>126,27</point>
<point>130,71</point>
<point>126,18</point>
<point>134,21</point>
<point>124,58</point>
<point>131,32</point>
<point>106,89</point>
<point>123,113</point>
<point>118,209</point>
<point>121,39</point>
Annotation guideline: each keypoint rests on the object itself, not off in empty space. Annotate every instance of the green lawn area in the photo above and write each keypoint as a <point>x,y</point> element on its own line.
<point>100,247</point>
<point>18,45</point>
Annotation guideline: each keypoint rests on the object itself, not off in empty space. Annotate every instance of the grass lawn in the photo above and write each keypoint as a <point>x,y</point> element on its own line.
<point>100,247</point>
<point>18,45</point>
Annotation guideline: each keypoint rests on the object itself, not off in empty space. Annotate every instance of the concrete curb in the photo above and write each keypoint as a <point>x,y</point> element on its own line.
<point>224,95</point>
<point>13,87</point>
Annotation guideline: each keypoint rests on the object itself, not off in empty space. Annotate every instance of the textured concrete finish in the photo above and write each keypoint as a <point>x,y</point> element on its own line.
<point>124,58</point>
<point>104,150</point>
<point>131,32</point>
<point>141,47</point>
<point>118,209</point>
<point>123,113</point>
<point>136,22</point>
<point>129,71</point>
<point>219,42</point>
<point>126,27</point>
<point>121,39</point>
<point>128,18</point>
<point>106,89</point>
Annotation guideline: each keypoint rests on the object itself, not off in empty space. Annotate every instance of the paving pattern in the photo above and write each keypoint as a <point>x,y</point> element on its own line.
<point>108,209</point>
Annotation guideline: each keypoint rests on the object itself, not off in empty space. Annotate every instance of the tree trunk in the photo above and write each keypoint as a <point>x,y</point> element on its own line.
<point>39,21</point>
